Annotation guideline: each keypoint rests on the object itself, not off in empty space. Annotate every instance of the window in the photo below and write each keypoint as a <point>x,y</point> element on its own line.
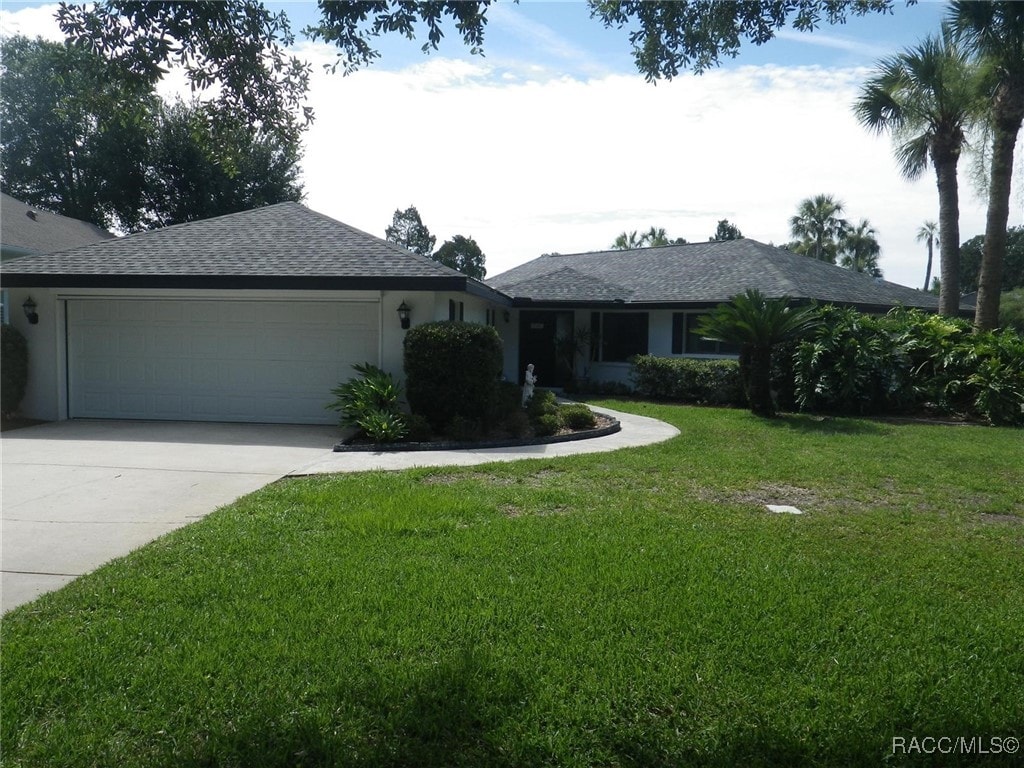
<point>686,340</point>
<point>622,335</point>
<point>456,311</point>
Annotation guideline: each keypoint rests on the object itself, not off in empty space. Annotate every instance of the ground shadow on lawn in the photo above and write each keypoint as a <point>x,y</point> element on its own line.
<point>828,425</point>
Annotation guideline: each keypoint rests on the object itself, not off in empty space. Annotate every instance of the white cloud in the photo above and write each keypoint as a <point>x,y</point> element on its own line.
<point>36,21</point>
<point>565,165</point>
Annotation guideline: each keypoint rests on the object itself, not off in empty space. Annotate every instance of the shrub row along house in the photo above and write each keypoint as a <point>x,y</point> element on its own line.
<point>256,316</point>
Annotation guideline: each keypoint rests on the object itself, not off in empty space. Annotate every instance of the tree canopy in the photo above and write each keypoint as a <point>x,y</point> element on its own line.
<point>655,236</point>
<point>819,227</point>
<point>971,255</point>
<point>74,138</point>
<point>408,230</point>
<point>84,141</point>
<point>463,254</point>
<point>726,230</point>
<point>670,36</point>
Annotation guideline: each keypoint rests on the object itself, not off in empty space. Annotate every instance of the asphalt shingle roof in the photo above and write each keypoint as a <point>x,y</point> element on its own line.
<point>282,246</point>
<point>26,229</point>
<point>697,273</point>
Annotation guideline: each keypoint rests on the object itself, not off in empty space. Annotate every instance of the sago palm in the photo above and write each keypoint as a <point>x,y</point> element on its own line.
<point>995,32</point>
<point>929,234</point>
<point>926,97</point>
<point>819,225</point>
<point>757,324</point>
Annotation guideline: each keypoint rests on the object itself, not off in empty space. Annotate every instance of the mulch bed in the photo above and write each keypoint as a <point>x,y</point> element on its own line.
<point>606,425</point>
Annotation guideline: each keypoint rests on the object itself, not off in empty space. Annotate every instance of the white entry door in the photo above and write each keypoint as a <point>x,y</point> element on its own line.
<point>214,360</point>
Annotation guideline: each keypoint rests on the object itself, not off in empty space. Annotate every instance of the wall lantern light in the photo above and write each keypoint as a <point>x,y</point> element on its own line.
<point>30,311</point>
<point>403,315</point>
<point>508,315</point>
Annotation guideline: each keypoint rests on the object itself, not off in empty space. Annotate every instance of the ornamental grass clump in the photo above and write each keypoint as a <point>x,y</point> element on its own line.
<point>371,402</point>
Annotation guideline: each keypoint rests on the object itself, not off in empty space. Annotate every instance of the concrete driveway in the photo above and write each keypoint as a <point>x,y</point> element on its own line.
<point>76,494</point>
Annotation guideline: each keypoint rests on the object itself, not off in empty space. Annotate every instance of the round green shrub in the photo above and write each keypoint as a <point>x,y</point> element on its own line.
<point>547,424</point>
<point>13,368</point>
<point>452,369</point>
<point>577,416</point>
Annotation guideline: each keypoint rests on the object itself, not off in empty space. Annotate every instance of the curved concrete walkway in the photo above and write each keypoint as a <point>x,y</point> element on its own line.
<point>76,494</point>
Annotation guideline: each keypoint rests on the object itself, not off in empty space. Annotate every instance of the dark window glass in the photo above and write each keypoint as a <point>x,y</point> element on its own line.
<point>678,332</point>
<point>623,335</point>
<point>451,309</point>
<point>697,345</point>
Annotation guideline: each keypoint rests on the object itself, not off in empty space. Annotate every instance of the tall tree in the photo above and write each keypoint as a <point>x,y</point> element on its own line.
<point>655,236</point>
<point>819,226</point>
<point>995,31</point>
<point>463,254</point>
<point>859,249</point>
<point>75,134</point>
<point>627,241</point>
<point>929,234</point>
<point>726,230</point>
<point>408,230</point>
<point>198,168</point>
<point>926,97</point>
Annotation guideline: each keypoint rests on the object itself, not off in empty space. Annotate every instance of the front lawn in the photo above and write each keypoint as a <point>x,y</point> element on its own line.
<point>631,608</point>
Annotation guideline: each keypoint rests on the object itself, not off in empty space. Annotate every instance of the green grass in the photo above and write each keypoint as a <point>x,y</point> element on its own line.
<point>631,608</point>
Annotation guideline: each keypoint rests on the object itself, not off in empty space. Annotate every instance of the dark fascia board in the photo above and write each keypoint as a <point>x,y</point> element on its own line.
<point>240,282</point>
<point>484,291</point>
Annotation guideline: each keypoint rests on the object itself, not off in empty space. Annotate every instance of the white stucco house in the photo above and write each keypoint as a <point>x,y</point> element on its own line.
<point>256,316</point>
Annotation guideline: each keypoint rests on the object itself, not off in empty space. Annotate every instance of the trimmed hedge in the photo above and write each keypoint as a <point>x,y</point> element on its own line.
<point>452,369</point>
<point>687,380</point>
<point>13,368</point>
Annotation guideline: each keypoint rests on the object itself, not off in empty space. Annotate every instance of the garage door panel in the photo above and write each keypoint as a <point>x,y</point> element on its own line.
<point>214,360</point>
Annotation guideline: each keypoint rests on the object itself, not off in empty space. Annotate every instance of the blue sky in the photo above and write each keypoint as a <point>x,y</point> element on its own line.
<point>553,142</point>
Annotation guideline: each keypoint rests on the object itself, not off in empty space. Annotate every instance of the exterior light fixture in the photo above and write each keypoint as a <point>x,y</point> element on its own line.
<point>30,311</point>
<point>403,315</point>
<point>508,315</point>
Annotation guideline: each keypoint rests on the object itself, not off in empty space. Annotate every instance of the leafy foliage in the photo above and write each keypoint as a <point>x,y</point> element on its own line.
<point>859,249</point>
<point>1011,310</point>
<point>726,230</point>
<point>13,368</point>
<point>577,416</point>
<point>674,35</point>
<point>371,402</point>
<point>237,45</point>
<point>757,324</point>
<point>910,361</point>
<point>687,380</point>
<point>75,132</point>
<point>655,236</point>
<point>452,369</point>
<point>462,254</point>
<point>408,230</point>
<point>972,251</point>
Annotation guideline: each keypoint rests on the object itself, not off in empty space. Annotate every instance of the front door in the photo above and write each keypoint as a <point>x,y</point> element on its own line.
<point>538,330</point>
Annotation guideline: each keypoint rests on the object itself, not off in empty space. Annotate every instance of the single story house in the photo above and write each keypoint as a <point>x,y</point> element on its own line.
<point>257,315</point>
<point>649,300</point>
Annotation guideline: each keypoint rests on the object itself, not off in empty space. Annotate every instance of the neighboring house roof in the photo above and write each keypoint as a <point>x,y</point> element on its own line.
<point>26,229</point>
<point>699,274</point>
<point>278,246</point>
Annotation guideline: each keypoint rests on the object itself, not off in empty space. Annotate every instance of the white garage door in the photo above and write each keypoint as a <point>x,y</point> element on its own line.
<point>208,360</point>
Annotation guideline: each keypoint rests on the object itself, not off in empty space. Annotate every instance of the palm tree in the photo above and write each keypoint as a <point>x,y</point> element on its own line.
<point>860,249</point>
<point>628,241</point>
<point>758,325</point>
<point>925,97</point>
<point>928,233</point>
<point>995,31</point>
<point>818,224</point>
<point>654,236</point>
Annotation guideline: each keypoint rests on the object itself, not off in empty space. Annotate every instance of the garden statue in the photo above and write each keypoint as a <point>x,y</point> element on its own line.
<point>528,383</point>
